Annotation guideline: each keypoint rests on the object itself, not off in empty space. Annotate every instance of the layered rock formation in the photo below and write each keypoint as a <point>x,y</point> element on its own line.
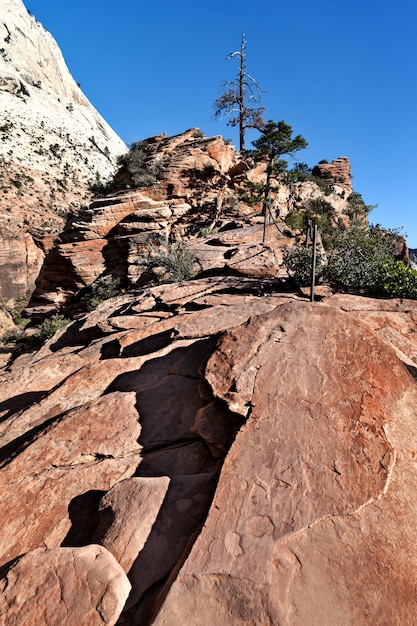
<point>338,173</point>
<point>243,455</point>
<point>53,143</point>
<point>196,191</point>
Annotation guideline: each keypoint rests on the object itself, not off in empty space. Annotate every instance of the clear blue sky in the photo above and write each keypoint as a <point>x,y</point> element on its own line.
<point>343,75</point>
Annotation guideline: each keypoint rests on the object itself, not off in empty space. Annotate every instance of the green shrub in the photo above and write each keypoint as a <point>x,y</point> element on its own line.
<point>12,335</point>
<point>49,327</point>
<point>357,210</point>
<point>299,264</point>
<point>207,231</point>
<point>18,310</point>
<point>177,261</point>
<point>357,257</point>
<point>296,219</point>
<point>318,211</point>
<point>358,260</point>
<point>142,173</point>
<point>397,281</point>
<point>100,187</point>
<point>103,288</point>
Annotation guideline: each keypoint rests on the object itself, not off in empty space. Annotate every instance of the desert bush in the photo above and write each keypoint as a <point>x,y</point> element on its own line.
<point>299,263</point>
<point>176,259</point>
<point>104,288</point>
<point>12,335</point>
<point>135,161</point>
<point>207,231</point>
<point>397,281</point>
<point>99,187</point>
<point>358,257</point>
<point>359,260</point>
<point>357,210</point>
<point>49,327</point>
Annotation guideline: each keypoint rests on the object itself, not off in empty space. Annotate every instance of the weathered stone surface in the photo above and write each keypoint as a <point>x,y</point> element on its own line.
<point>310,495</point>
<point>60,450</point>
<point>89,448</point>
<point>338,172</point>
<point>127,513</point>
<point>70,586</point>
<point>20,260</point>
<point>317,403</point>
<point>242,252</point>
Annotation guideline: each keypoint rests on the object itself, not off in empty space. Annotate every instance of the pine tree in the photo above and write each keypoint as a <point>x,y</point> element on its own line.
<point>275,142</point>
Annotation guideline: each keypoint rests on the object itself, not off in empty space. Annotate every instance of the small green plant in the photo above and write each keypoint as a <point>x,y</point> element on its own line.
<point>12,335</point>
<point>103,288</point>
<point>136,161</point>
<point>177,261</point>
<point>297,219</point>
<point>49,327</point>
<point>299,264</point>
<point>357,210</point>
<point>99,187</point>
<point>56,150</point>
<point>207,231</point>
<point>209,170</point>
<point>18,310</point>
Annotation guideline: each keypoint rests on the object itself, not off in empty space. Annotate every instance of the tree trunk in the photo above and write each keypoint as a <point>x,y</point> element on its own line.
<point>242,96</point>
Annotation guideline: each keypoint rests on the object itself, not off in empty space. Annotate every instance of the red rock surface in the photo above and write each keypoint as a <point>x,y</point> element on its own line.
<point>196,191</point>
<point>245,455</point>
<point>338,172</point>
<point>70,586</point>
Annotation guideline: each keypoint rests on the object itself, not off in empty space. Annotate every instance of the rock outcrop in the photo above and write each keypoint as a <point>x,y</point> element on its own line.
<point>246,456</point>
<point>53,144</point>
<point>195,193</point>
<point>338,173</point>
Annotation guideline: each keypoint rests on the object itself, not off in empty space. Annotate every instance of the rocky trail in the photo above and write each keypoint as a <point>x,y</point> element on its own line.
<point>227,453</point>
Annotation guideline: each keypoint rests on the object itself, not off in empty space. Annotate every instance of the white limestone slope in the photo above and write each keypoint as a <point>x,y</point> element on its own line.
<point>41,105</point>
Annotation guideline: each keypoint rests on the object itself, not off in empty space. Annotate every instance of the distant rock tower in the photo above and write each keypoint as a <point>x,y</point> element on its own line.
<point>338,173</point>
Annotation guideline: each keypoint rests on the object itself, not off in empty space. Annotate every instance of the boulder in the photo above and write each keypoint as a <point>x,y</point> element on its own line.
<point>87,449</point>
<point>70,586</point>
<point>126,515</point>
<point>338,173</point>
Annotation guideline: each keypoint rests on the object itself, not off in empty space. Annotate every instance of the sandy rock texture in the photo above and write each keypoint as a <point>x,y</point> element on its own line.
<point>246,456</point>
<point>70,586</point>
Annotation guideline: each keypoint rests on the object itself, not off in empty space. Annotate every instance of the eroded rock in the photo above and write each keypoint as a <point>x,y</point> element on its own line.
<point>312,478</point>
<point>137,405</point>
<point>69,586</point>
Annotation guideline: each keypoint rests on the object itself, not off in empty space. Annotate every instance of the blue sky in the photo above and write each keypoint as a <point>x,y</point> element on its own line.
<point>343,75</point>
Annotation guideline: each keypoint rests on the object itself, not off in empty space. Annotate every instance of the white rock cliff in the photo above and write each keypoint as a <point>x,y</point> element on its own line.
<point>53,144</point>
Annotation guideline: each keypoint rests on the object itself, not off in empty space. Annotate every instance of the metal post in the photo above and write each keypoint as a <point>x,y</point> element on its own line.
<point>308,232</point>
<point>266,216</point>
<point>313,263</point>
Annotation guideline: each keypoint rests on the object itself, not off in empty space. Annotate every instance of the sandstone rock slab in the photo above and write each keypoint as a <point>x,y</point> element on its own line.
<point>127,513</point>
<point>314,507</point>
<point>70,586</point>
